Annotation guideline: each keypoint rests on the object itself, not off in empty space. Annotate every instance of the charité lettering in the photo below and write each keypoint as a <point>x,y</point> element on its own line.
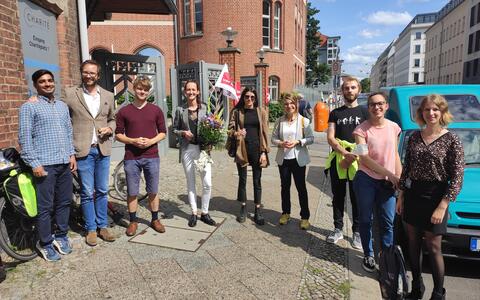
<point>38,21</point>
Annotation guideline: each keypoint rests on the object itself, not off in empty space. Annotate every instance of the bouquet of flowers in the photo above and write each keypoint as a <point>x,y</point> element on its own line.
<point>212,134</point>
<point>211,130</point>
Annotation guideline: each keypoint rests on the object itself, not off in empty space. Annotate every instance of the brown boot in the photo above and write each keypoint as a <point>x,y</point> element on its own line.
<point>132,228</point>
<point>105,235</point>
<point>157,226</point>
<point>91,238</point>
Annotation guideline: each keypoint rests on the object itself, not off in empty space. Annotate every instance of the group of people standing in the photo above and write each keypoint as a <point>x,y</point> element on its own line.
<point>365,154</point>
<point>59,137</point>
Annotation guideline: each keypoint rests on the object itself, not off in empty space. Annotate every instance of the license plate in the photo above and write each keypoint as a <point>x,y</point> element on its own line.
<point>475,244</point>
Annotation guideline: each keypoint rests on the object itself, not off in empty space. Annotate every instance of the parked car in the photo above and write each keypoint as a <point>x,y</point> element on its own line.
<point>463,227</point>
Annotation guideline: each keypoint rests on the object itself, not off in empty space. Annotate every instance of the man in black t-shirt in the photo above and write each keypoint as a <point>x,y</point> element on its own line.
<point>341,123</point>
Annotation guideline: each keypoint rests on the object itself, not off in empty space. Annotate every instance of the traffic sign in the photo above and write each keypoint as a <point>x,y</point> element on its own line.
<point>336,68</point>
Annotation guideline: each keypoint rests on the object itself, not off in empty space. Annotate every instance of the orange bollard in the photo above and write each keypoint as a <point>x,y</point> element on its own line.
<point>321,116</point>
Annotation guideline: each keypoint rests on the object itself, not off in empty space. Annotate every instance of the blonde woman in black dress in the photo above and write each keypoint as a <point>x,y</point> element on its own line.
<point>432,177</point>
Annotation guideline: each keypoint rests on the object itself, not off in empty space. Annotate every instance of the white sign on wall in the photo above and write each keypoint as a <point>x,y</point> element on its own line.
<point>39,42</point>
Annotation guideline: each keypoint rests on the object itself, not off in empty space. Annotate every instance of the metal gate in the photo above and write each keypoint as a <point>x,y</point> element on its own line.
<point>117,75</point>
<point>206,75</point>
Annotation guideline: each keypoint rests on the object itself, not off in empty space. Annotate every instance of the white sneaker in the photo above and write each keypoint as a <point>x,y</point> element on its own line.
<point>356,241</point>
<point>335,236</point>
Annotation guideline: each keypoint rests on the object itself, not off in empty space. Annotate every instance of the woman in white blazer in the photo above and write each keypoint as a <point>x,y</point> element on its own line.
<point>292,133</point>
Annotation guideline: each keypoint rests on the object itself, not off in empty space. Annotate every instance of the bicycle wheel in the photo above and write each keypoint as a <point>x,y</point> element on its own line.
<point>120,183</point>
<point>17,233</point>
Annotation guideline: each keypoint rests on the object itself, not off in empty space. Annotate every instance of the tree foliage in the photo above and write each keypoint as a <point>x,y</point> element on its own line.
<point>318,73</point>
<point>365,83</point>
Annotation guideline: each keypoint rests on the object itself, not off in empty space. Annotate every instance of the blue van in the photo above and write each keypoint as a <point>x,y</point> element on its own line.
<point>463,227</point>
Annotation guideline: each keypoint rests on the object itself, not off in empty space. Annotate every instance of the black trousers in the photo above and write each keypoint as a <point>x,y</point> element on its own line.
<point>289,167</point>
<point>253,154</point>
<point>339,191</point>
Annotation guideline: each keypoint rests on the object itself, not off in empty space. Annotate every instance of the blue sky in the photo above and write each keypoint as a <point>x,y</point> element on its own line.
<point>367,27</point>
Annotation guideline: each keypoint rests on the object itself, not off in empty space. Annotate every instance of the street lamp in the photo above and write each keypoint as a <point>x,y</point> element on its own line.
<point>229,34</point>
<point>261,55</point>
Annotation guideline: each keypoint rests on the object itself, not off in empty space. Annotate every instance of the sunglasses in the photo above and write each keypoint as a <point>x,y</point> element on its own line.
<point>249,97</point>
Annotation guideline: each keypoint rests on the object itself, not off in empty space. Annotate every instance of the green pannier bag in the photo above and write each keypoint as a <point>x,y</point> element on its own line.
<point>20,191</point>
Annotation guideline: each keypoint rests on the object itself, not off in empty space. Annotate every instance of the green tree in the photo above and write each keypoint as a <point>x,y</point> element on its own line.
<point>319,73</point>
<point>365,83</point>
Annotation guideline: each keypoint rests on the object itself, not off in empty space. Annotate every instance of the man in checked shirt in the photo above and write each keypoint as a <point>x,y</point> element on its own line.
<point>46,140</point>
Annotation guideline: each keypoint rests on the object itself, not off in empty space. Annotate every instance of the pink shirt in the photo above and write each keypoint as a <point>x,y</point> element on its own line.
<point>382,145</point>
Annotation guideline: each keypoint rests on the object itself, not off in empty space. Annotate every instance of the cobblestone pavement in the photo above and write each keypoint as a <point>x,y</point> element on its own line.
<point>239,261</point>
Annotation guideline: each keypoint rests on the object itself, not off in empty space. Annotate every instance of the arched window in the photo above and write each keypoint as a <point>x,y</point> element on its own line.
<point>276,25</point>
<point>149,51</point>
<point>266,24</point>
<point>274,88</point>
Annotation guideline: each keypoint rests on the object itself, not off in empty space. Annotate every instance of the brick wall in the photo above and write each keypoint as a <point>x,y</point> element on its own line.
<point>128,39</point>
<point>245,17</point>
<point>13,85</point>
<point>13,88</point>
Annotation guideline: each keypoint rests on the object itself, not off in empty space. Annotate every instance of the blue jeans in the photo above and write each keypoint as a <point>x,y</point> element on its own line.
<point>93,171</point>
<point>374,194</point>
<point>54,196</point>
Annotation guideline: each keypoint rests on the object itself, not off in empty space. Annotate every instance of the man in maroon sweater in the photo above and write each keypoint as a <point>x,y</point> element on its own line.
<point>140,126</point>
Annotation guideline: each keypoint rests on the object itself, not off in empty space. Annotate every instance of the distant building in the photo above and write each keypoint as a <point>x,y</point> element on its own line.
<point>378,73</point>
<point>409,58</point>
<point>391,65</point>
<point>471,68</point>
<point>445,50</point>
<point>322,49</point>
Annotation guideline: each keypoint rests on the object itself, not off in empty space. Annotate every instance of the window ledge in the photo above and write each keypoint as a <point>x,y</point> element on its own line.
<point>274,50</point>
<point>193,35</point>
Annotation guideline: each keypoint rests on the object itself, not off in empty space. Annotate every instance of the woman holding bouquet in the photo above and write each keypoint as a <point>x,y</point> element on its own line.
<point>186,127</point>
<point>292,133</point>
<point>249,124</point>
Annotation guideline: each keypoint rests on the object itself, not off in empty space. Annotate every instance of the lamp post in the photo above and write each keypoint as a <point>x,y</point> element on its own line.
<point>261,55</point>
<point>229,34</point>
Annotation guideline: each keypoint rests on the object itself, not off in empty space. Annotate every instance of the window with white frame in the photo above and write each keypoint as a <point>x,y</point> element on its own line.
<point>266,24</point>
<point>276,26</point>
<point>187,23</point>
<point>274,87</point>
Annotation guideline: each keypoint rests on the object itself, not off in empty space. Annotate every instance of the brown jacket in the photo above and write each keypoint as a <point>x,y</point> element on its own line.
<point>83,122</point>
<point>241,156</point>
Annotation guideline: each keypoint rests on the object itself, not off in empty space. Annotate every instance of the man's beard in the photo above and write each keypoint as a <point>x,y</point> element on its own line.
<point>349,100</point>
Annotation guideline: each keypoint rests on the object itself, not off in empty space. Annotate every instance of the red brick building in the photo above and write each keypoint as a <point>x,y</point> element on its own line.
<point>57,22</point>
<point>277,26</point>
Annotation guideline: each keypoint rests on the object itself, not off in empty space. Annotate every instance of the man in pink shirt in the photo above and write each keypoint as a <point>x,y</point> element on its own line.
<point>378,175</point>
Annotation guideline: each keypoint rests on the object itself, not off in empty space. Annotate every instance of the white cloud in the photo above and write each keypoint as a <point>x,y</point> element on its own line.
<point>389,18</point>
<point>402,2</point>
<point>359,59</point>
<point>368,34</point>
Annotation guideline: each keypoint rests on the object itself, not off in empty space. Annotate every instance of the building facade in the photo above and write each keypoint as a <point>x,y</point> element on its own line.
<point>378,73</point>
<point>276,26</point>
<point>144,34</point>
<point>445,47</point>
<point>14,81</point>
<point>409,63</point>
<point>471,69</point>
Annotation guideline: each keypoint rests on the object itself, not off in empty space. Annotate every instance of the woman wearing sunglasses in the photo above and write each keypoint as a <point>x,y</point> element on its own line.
<point>249,124</point>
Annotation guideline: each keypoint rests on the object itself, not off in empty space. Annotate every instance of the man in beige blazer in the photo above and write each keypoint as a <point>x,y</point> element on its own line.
<point>92,110</point>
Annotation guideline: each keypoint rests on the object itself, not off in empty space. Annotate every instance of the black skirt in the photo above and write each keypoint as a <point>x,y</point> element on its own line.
<point>420,201</point>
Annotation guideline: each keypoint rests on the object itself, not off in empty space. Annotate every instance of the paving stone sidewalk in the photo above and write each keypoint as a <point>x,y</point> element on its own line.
<point>239,261</point>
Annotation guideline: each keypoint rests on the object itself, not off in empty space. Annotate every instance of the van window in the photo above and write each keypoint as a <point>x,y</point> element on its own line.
<point>470,139</point>
<point>462,107</point>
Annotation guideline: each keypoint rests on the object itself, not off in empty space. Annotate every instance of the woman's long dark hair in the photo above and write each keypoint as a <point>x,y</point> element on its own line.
<point>199,101</point>
<point>241,102</point>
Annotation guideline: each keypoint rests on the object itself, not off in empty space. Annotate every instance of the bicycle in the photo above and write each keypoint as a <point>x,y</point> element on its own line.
<point>17,231</point>
<point>120,183</point>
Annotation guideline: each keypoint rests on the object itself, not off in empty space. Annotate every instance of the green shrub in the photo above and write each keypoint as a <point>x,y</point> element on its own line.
<point>275,111</point>
<point>169,106</point>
